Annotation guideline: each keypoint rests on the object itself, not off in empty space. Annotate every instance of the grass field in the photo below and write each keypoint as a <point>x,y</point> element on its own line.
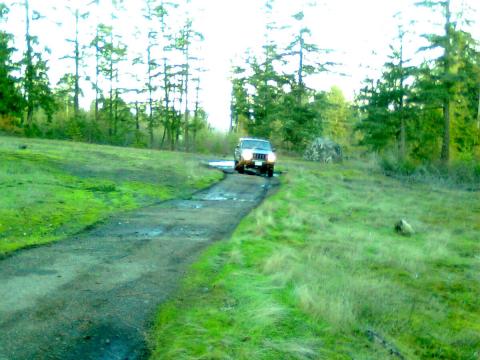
<point>318,272</point>
<point>53,189</point>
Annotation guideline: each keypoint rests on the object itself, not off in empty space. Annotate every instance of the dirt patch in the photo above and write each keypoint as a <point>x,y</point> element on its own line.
<point>92,296</point>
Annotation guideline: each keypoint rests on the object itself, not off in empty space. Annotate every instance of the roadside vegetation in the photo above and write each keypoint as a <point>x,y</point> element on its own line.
<point>53,189</point>
<point>317,271</point>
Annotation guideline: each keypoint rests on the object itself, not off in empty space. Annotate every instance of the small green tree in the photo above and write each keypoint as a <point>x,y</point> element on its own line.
<point>335,115</point>
<point>64,94</point>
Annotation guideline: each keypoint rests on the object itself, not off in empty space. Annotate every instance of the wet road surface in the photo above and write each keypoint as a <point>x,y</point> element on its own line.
<point>94,296</point>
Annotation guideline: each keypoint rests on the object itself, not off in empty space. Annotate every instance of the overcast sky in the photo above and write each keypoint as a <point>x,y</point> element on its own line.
<point>359,31</point>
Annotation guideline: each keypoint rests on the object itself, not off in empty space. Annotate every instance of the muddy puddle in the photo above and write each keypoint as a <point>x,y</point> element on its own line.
<point>227,166</point>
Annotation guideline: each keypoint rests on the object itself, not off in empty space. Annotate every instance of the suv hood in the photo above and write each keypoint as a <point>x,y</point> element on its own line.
<point>259,151</point>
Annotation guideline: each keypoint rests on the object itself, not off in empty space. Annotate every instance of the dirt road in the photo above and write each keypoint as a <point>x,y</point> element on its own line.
<point>94,296</point>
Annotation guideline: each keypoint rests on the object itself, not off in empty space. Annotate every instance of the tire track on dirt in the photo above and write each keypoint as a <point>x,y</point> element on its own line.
<point>94,296</point>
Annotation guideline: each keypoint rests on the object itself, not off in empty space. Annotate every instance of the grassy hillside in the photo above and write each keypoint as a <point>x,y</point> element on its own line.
<point>318,272</point>
<point>53,189</point>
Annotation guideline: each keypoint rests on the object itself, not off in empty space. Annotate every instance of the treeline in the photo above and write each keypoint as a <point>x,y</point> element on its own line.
<point>147,97</point>
<point>271,98</point>
<point>429,112</point>
<point>423,113</point>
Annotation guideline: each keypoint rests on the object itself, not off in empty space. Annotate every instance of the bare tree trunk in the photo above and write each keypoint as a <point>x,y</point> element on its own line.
<point>402,137</point>
<point>403,133</point>
<point>187,74</point>
<point>173,120</point>
<point>150,45</point>
<point>300,65</point>
<point>150,96</point>
<point>233,111</point>
<point>187,112</point>
<point>29,70</point>
<point>178,125</point>
<point>137,116</point>
<point>478,112</point>
<point>76,95</point>
<point>166,84</point>
<point>164,136</point>
<point>97,73</point>
<point>195,115</point>
<point>166,121</point>
<point>110,107</point>
<point>115,114</point>
<point>445,154</point>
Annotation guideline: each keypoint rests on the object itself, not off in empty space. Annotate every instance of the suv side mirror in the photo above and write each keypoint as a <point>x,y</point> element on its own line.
<point>274,149</point>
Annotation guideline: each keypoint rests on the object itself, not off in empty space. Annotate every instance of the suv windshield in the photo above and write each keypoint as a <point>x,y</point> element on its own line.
<point>256,144</point>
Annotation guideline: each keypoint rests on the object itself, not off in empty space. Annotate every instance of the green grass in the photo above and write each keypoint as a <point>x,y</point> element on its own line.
<point>317,272</point>
<point>53,189</point>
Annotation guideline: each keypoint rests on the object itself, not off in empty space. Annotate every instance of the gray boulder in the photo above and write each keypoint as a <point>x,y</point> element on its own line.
<point>404,228</point>
<point>323,150</point>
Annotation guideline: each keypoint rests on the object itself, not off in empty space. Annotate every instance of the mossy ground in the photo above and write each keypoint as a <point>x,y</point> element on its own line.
<point>53,189</point>
<point>317,271</point>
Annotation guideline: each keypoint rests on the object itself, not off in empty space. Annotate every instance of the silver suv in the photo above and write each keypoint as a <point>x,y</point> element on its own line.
<point>251,153</point>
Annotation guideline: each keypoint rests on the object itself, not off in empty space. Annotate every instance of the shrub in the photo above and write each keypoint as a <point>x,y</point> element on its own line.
<point>460,172</point>
<point>464,172</point>
<point>10,125</point>
<point>391,164</point>
<point>216,142</point>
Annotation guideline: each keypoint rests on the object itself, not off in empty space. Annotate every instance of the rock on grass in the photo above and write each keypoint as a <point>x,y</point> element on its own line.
<point>404,228</point>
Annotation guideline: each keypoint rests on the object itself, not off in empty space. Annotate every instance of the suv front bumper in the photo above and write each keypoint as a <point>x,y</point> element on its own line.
<point>257,164</point>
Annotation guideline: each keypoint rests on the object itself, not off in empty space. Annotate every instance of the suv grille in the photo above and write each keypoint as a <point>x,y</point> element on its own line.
<point>260,156</point>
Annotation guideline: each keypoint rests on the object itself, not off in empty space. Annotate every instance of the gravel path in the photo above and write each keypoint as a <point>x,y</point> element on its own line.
<point>94,296</point>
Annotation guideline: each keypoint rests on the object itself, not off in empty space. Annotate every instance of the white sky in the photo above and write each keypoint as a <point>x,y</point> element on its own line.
<point>359,32</point>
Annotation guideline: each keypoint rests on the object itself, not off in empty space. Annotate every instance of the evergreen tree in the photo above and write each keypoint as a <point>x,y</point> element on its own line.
<point>466,92</point>
<point>386,106</point>
<point>299,48</point>
<point>168,75</point>
<point>239,103</point>
<point>96,44</point>
<point>199,116</point>
<point>448,73</point>
<point>36,85</point>
<point>76,55</point>
<point>267,86</point>
<point>112,52</point>
<point>300,123</point>
<point>188,36</point>
<point>152,13</point>
<point>11,102</point>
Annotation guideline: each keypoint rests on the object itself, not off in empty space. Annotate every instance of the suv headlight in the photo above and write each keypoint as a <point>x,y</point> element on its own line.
<point>271,157</point>
<point>247,155</point>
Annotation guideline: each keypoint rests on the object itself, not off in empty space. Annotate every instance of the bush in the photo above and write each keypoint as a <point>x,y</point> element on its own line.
<point>460,172</point>
<point>216,142</point>
<point>464,172</point>
<point>10,125</point>
<point>391,165</point>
